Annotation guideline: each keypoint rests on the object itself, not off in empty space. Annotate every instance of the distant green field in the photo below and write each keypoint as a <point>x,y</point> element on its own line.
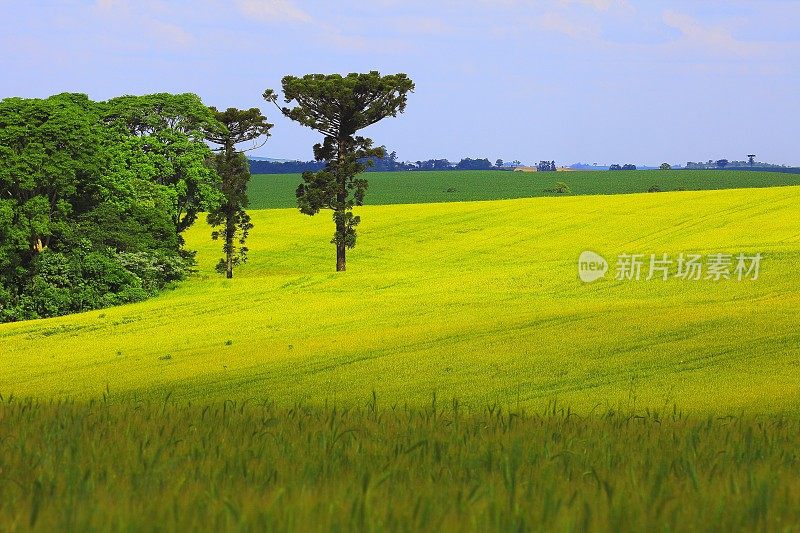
<point>278,190</point>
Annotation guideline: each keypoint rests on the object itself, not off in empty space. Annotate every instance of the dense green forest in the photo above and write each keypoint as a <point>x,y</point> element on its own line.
<point>94,197</point>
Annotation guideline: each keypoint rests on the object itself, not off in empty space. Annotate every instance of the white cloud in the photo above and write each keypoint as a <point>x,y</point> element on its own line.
<point>123,18</point>
<point>108,5</point>
<point>170,33</point>
<point>337,32</point>
<point>558,22</point>
<point>421,25</point>
<point>709,37</point>
<point>111,8</point>
<point>273,11</point>
<point>599,5</point>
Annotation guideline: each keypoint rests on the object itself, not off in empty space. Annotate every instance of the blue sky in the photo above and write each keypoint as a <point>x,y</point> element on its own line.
<point>571,80</point>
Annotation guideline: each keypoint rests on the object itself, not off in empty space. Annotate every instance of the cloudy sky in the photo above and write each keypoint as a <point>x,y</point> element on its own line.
<point>604,81</point>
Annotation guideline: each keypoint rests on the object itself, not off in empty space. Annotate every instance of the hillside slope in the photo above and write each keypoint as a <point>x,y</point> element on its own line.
<point>478,301</point>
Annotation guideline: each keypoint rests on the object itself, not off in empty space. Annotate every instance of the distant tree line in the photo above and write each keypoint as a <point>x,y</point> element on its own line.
<point>386,163</point>
<point>390,163</point>
<point>750,164</point>
<point>718,164</point>
<point>430,164</point>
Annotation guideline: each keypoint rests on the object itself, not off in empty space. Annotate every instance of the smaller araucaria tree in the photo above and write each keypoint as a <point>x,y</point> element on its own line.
<point>232,166</point>
<point>338,107</point>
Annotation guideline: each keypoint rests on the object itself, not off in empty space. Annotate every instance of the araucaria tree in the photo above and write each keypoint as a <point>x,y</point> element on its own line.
<point>232,166</point>
<point>338,107</point>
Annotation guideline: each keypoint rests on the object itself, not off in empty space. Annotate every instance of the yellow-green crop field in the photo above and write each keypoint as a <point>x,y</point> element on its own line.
<point>478,301</point>
<point>458,377</point>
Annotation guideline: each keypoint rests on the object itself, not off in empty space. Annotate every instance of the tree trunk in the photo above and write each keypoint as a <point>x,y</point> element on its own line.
<point>230,234</point>
<point>341,197</point>
<point>341,261</point>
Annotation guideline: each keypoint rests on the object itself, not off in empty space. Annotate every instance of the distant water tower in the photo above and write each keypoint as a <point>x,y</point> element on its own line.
<point>751,159</point>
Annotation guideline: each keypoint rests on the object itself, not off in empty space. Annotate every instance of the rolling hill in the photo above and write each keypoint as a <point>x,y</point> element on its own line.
<point>478,301</point>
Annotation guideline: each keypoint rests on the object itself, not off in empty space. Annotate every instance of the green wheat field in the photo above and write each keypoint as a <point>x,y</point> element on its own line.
<point>459,376</point>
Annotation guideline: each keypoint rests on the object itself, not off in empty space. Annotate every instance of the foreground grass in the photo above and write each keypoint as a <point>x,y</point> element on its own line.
<point>278,190</point>
<point>253,466</point>
<point>478,301</point>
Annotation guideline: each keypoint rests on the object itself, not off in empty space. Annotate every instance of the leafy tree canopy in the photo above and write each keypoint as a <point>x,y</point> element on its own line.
<point>162,142</point>
<point>240,125</point>
<point>93,196</point>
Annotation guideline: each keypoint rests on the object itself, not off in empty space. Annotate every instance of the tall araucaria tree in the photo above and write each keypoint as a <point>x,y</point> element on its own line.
<point>338,107</point>
<point>232,166</point>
